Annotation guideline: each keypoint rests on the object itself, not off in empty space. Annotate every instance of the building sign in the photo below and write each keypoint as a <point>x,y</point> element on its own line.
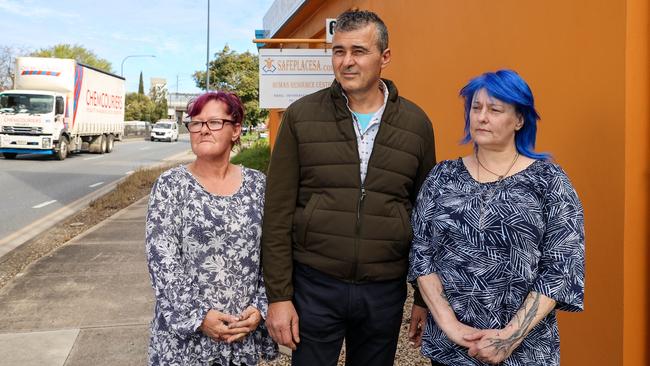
<point>330,23</point>
<point>289,74</point>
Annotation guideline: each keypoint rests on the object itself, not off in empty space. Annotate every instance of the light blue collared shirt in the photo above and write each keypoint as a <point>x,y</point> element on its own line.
<point>366,137</point>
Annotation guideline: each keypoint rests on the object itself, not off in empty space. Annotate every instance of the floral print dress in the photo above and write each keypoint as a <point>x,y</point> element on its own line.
<point>203,252</point>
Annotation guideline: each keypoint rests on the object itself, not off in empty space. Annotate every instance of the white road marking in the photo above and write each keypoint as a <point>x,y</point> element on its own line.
<point>40,205</point>
<point>129,172</point>
<point>94,157</point>
<point>96,184</point>
<point>145,148</point>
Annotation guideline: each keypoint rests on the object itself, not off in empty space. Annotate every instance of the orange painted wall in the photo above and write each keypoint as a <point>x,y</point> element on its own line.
<point>587,63</point>
<point>637,180</point>
<point>275,117</point>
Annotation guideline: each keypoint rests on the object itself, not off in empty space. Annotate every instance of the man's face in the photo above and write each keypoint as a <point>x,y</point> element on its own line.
<point>357,60</point>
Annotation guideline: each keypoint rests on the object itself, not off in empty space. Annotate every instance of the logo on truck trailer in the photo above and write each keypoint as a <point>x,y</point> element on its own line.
<point>40,72</point>
<point>103,100</point>
<point>78,76</point>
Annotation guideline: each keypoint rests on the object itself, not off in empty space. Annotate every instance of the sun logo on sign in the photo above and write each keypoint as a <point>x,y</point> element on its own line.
<point>269,67</point>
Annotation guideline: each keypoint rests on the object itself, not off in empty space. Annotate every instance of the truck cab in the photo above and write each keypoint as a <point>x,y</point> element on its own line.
<point>31,121</point>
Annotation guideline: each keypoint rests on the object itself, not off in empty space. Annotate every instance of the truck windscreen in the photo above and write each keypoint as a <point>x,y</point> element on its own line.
<point>26,103</point>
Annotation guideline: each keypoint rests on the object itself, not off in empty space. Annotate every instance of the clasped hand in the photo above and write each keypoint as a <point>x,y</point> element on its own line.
<point>491,346</point>
<point>229,328</point>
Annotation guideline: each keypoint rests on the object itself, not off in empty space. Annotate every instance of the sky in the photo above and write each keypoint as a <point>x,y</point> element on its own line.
<point>175,31</point>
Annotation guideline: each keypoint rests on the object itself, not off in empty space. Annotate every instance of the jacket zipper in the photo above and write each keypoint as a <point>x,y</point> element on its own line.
<point>362,190</point>
<point>362,196</point>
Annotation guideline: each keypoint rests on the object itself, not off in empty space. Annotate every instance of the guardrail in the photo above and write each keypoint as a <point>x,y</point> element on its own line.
<point>137,128</point>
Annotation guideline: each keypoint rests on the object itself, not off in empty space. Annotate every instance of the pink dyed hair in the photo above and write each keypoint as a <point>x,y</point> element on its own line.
<point>231,100</point>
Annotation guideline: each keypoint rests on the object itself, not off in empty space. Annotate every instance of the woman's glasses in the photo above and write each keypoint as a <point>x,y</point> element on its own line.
<point>214,124</point>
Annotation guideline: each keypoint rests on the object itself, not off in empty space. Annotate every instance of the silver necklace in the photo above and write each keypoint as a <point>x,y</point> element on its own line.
<point>490,195</point>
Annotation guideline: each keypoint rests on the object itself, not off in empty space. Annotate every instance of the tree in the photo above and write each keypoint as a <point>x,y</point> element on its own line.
<point>158,95</point>
<point>8,56</point>
<point>236,72</point>
<point>138,107</point>
<point>77,52</point>
<point>141,85</point>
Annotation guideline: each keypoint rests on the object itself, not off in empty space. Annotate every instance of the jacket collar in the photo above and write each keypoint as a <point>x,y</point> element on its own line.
<point>342,112</point>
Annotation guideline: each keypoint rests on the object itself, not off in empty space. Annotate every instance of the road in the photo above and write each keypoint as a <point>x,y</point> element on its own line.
<point>33,186</point>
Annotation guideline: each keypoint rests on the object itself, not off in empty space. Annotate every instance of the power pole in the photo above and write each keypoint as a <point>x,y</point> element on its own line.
<point>207,58</point>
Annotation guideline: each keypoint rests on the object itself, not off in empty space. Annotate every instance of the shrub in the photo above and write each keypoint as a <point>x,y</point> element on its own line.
<point>256,156</point>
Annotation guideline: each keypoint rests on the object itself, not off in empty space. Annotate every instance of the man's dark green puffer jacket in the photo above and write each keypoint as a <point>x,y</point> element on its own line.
<point>317,210</point>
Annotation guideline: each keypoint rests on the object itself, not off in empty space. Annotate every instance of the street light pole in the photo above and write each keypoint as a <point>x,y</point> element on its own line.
<point>129,56</point>
<point>207,56</point>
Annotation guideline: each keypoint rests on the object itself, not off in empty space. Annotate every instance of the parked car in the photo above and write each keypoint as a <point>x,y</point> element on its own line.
<point>164,131</point>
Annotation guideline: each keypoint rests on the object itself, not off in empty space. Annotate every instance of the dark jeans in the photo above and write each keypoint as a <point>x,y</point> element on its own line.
<point>368,316</point>
<point>434,363</point>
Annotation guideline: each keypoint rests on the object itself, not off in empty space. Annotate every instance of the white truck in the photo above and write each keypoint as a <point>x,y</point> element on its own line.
<point>59,106</point>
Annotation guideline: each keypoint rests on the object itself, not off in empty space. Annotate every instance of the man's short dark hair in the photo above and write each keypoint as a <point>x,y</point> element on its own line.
<point>356,19</point>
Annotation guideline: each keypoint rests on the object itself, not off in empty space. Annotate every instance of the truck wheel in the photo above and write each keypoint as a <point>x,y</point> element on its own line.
<point>110,141</point>
<point>151,138</point>
<point>176,138</point>
<point>62,153</point>
<point>9,155</point>
<point>102,144</point>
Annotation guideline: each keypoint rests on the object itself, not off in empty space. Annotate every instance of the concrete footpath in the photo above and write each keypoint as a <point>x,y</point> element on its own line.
<point>88,302</point>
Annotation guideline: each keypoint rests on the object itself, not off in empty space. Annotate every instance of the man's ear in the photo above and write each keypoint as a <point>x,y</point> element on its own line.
<point>385,58</point>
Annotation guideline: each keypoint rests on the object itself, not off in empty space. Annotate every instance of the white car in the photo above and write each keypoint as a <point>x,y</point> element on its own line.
<point>165,131</point>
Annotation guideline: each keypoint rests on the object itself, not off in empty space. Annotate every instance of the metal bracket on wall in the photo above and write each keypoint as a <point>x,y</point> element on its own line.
<point>282,41</point>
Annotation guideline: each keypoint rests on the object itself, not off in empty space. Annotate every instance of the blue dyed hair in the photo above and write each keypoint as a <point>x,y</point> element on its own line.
<point>508,87</point>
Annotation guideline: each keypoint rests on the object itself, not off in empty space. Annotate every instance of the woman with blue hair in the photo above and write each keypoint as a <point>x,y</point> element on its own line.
<point>498,241</point>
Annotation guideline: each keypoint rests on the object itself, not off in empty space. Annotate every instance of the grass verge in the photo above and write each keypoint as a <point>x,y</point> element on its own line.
<point>256,156</point>
<point>131,189</point>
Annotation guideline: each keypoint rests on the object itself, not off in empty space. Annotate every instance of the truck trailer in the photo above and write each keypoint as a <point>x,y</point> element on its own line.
<point>59,106</point>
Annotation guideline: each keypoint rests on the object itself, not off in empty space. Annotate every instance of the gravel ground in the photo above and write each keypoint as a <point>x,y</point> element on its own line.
<point>406,356</point>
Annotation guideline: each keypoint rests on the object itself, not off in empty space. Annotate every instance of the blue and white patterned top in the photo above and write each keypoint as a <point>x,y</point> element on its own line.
<point>203,252</point>
<point>491,244</point>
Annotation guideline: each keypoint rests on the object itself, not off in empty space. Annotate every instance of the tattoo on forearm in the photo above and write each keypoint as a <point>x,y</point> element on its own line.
<point>530,308</point>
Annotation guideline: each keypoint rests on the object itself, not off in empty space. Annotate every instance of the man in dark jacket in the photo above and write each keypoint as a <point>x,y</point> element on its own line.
<point>345,170</point>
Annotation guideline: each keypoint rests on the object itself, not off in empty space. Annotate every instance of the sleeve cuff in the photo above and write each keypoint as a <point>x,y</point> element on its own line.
<point>563,302</point>
<point>261,305</point>
<point>280,298</point>
<point>190,325</point>
<point>418,271</point>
